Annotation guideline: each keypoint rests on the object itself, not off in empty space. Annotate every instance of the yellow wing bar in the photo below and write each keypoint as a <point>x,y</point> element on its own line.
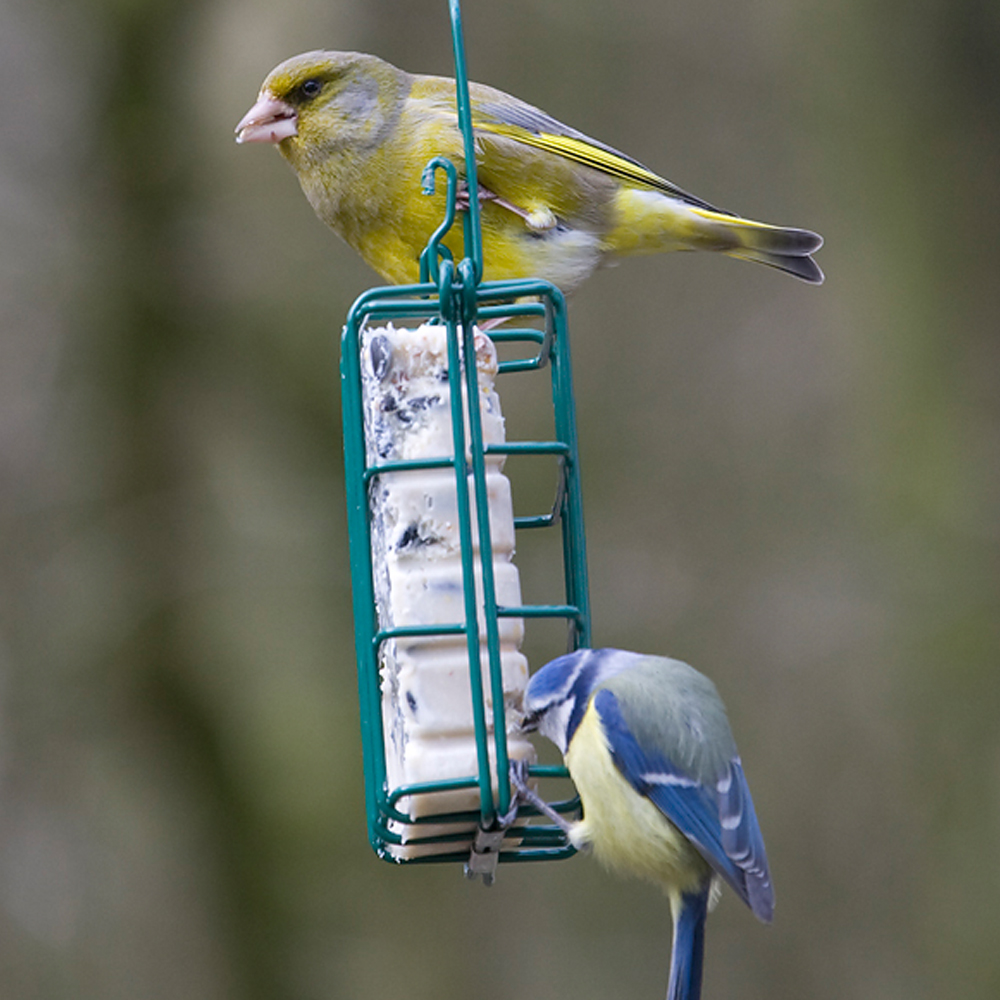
<point>597,157</point>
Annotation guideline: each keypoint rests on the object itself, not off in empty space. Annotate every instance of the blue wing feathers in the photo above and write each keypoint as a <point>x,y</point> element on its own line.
<point>719,821</point>
<point>742,840</point>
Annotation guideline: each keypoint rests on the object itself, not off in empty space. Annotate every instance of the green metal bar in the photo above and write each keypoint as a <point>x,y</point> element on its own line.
<point>536,521</point>
<point>457,818</point>
<point>463,819</point>
<point>468,563</point>
<point>410,465</point>
<point>529,448</point>
<point>521,365</point>
<point>570,611</point>
<point>513,336</point>
<point>409,631</point>
<point>473,227</point>
<point>373,303</point>
<point>574,540</point>
<point>471,276</point>
<point>424,787</point>
<point>505,309</point>
<point>489,604</point>
<point>518,288</point>
<point>359,541</point>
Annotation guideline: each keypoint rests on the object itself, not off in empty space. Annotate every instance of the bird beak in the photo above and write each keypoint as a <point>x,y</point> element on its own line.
<point>528,723</point>
<point>269,120</point>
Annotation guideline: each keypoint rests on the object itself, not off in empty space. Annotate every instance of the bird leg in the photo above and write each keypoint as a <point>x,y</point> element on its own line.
<point>538,219</point>
<point>527,795</point>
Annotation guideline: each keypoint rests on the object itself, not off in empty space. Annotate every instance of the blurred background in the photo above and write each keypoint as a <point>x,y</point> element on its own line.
<point>795,489</point>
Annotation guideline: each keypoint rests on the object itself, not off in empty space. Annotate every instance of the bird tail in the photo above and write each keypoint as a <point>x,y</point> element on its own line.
<point>654,221</point>
<point>787,249</point>
<point>688,952</point>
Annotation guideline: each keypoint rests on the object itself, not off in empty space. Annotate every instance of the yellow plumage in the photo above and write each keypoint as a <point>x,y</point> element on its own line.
<point>627,831</point>
<point>358,132</point>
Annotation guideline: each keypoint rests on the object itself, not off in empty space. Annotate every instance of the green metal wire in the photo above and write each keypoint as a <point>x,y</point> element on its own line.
<point>453,294</point>
<point>473,227</point>
<point>420,303</point>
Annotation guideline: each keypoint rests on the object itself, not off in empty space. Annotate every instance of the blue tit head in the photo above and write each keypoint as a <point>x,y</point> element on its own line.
<point>557,695</point>
<point>670,706</point>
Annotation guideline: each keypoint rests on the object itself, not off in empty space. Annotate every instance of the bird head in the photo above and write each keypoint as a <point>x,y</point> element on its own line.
<point>319,102</point>
<point>558,694</point>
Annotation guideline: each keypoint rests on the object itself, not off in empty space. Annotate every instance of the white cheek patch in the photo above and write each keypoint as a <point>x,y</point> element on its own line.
<point>555,722</point>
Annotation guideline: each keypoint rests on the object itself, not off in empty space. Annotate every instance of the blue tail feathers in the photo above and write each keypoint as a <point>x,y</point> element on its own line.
<point>688,952</point>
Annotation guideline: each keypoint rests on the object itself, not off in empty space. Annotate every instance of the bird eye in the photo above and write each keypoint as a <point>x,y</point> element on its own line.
<point>310,88</point>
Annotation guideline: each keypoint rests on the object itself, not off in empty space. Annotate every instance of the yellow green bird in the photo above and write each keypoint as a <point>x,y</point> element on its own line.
<point>358,132</point>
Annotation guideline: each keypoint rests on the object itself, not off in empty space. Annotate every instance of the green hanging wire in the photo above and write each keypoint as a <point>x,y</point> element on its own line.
<point>473,227</point>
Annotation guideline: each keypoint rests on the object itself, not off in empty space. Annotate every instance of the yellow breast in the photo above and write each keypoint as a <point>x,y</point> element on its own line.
<point>627,832</point>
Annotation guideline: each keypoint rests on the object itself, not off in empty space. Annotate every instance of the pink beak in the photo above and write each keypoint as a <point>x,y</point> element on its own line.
<point>269,120</point>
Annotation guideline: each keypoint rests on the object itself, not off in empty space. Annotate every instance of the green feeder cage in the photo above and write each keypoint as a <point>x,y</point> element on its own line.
<point>412,822</point>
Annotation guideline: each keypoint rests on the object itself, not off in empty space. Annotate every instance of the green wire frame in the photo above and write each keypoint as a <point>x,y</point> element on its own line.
<point>550,349</point>
<point>456,296</point>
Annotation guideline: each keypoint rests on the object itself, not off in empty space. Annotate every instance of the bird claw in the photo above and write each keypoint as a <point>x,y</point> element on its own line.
<point>462,196</point>
<point>519,773</point>
<point>538,219</point>
<point>528,796</point>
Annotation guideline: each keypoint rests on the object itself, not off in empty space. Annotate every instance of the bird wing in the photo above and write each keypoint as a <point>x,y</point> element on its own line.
<point>526,124</point>
<point>720,821</point>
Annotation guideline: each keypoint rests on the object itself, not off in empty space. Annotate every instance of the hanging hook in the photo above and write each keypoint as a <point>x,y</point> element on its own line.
<point>434,251</point>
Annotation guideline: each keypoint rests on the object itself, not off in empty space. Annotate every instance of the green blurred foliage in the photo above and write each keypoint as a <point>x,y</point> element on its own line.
<point>795,489</point>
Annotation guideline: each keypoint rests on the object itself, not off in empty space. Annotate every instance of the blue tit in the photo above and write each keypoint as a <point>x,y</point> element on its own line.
<point>649,748</point>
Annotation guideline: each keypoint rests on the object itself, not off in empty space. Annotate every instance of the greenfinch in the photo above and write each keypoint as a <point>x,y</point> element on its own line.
<point>554,203</point>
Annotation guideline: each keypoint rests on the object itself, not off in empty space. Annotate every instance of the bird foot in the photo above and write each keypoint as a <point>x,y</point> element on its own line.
<point>527,795</point>
<point>538,219</point>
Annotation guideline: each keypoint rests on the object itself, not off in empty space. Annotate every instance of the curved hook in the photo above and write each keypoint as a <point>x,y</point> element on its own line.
<point>434,250</point>
<point>437,265</point>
